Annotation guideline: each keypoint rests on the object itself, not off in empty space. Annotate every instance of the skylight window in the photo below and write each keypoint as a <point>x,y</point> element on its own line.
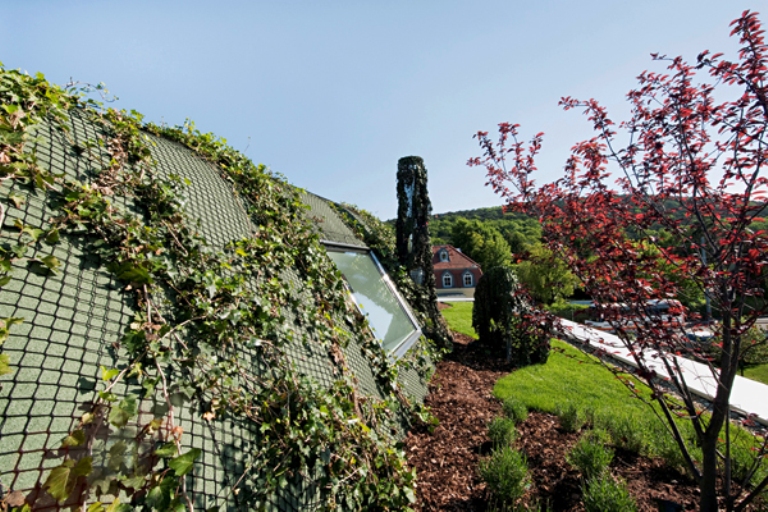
<point>377,298</point>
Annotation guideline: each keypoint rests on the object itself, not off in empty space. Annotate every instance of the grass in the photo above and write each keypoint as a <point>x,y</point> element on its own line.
<point>570,377</point>
<point>758,373</point>
<point>459,318</point>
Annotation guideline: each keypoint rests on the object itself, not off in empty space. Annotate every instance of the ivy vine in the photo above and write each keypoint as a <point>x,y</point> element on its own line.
<point>197,307</point>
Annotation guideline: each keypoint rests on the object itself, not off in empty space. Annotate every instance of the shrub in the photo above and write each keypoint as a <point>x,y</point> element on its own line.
<point>590,456</point>
<point>501,430</point>
<point>571,420</point>
<point>626,432</point>
<point>506,474</point>
<point>515,409</point>
<point>496,317</point>
<point>604,494</point>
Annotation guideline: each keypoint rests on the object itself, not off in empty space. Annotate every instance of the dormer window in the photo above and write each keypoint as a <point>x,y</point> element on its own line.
<point>444,255</point>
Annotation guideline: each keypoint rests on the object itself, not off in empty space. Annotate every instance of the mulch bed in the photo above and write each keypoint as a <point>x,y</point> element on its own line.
<point>446,459</point>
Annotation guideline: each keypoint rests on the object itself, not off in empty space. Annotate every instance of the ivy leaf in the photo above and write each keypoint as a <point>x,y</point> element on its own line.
<point>116,506</point>
<point>132,273</point>
<point>160,495</point>
<point>34,233</point>
<point>61,481</point>
<point>5,365</point>
<point>183,463</point>
<point>14,499</point>
<point>52,237</point>
<point>5,280</point>
<point>116,456</point>
<point>52,262</point>
<point>5,327</point>
<point>76,438</point>
<point>124,411</point>
<point>177,506</point>
<point>108,374</point>
<point>45,266</point>
<point>134,340</point>
<point>18,201</point>
<point>167,450</point>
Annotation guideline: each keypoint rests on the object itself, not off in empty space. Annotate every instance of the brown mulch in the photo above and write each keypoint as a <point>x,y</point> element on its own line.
<point>446,459</point>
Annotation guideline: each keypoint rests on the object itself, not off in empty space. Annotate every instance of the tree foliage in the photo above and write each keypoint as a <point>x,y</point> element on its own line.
<point>692,151</point>
<point>546,277</point>
<point>499,318</point>
<point>481,242</point>
<point>519,231</point>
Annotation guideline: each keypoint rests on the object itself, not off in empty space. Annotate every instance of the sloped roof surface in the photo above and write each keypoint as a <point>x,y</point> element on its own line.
<point>73,318</point>
<point>456,259</point>
<point>329,225</point>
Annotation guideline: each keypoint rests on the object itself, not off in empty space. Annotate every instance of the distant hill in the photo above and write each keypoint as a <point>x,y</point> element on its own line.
<point>515,227</point>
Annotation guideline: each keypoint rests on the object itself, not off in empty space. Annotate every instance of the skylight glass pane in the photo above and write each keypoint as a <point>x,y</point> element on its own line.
<point>376,300</point>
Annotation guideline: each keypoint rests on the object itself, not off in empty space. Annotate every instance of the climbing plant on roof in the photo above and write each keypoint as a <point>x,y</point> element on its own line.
<point>197,307</point>
<point>413,246</point>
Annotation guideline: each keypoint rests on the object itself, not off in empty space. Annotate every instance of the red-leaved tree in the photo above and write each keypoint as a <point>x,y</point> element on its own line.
<point>690,162</point>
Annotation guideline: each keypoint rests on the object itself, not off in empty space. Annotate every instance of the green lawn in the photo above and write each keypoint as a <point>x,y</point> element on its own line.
<point>459,317</point>
<point>758,373</point>
<point>570,377</point>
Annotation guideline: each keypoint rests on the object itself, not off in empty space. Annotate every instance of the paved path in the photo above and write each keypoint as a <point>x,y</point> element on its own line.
<point>747,397</point>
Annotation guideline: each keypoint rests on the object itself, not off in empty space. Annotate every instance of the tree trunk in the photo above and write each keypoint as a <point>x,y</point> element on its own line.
<point>708,482</point>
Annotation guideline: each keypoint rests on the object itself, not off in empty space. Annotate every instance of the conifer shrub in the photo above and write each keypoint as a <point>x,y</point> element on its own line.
<point>515,409</point>
<point>505,473</point>
<point>501,431</point>
<point>570,418</point>
<point>627,432</point>
<point>590,455</point>
<point>604,494</point>
<point>498,318</point>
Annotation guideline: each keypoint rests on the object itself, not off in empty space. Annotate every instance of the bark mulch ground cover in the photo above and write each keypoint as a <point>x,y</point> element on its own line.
<point>446,459</point>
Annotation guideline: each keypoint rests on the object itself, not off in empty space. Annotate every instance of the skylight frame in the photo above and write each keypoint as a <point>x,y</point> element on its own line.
<point>403,345</point>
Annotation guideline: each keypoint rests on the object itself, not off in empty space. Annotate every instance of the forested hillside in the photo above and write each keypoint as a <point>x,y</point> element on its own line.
<point>515,228</point>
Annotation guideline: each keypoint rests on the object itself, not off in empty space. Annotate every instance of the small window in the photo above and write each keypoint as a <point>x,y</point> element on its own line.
<point>468,280</point>
<point>447,280</point>
<point>376,297</point>
<point>444,255</point>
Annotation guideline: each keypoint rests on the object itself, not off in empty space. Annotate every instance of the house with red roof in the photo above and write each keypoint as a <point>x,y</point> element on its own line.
<point>456,274</point>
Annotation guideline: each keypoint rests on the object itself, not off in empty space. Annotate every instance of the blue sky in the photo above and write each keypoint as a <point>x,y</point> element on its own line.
<point>331,94</point>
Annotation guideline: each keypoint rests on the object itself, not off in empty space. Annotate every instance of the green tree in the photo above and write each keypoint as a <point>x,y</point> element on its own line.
<point>546,277</point>
<point>481,242</point>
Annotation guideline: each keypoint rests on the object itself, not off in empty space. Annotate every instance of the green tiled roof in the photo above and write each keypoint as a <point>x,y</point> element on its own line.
<point>73,318</point>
